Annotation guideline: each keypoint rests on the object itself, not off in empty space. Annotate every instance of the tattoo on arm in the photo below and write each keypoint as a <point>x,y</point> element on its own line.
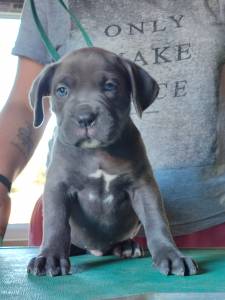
<point>24,142</point>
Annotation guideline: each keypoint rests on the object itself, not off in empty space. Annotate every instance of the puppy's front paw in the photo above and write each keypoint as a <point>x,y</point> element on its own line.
<point>49,265</point>
<point>172,262</point>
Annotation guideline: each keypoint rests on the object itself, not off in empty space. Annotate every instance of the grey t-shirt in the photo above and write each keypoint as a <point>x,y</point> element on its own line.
<point>182,45</point>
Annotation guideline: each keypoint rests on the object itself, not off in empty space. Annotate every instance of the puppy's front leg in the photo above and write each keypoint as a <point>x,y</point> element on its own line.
<point>148,205</point>
<point>54,257</point>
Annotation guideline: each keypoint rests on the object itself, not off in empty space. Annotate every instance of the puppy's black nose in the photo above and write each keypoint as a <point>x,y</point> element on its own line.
<point>86,119</point>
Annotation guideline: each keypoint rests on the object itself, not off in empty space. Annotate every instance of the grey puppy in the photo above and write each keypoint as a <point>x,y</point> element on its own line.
<point>100,186</point>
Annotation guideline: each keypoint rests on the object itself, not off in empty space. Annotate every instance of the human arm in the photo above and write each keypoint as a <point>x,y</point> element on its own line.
<point>18,137</point>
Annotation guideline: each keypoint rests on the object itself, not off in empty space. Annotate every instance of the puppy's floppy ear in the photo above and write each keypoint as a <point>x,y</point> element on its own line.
<point>41,87</point>
<point>144,89</point>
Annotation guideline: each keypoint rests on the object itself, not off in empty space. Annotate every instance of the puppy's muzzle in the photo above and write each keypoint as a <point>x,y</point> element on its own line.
<point>85,117</point>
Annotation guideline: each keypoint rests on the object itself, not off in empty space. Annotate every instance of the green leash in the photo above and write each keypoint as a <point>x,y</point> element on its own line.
<point>77,22</point>
<point>48,44</point>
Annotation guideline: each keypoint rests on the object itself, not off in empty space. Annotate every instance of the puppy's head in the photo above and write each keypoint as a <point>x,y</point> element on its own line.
<point>91,91</point>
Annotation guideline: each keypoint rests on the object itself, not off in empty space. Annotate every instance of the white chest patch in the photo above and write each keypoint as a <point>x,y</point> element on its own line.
<point>108,199</point>
<point>107,177</point>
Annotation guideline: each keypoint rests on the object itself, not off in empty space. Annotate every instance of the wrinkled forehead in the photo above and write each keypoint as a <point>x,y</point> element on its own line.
<point>88,64</point>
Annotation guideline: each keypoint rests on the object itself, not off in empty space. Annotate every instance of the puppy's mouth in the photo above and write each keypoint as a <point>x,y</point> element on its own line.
<point>86,132</point>
<point>86,138</point>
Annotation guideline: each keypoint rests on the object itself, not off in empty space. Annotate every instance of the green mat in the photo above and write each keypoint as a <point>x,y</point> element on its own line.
<point>107,277</point>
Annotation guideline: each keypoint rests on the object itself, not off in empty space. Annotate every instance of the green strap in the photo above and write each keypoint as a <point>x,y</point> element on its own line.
<point>48,44</point>
<point>51,49</point>
<point>77,22</point>
<point>1,241</point>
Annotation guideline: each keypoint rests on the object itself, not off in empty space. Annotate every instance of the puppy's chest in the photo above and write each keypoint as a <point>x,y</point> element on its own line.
<point>103,180</point>
<point>101,189</point>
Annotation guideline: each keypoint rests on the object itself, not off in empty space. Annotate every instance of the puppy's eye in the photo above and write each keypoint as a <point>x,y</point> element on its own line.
<point>110,86</point>
<point>62,91</point>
